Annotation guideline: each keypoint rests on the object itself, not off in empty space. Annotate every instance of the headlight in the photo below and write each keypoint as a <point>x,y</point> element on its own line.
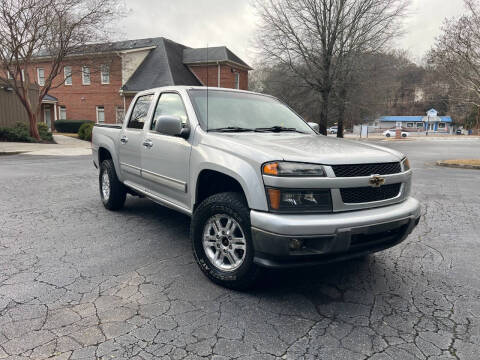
<point>405,165</point>
<point>289,200</point>
<point>283,168</point>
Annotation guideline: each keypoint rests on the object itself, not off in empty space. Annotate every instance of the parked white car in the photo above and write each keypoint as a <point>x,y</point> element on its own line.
<point>392,132</point>
<point>332,130</point>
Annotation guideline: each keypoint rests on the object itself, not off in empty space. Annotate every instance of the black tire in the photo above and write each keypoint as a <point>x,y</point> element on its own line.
<point>387,135</point>
<point>118,192</point>
<point>404,135</point>
<point>235,206</point>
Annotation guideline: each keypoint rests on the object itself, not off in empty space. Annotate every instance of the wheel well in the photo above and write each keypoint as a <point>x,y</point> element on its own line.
<point>212,182</point>
<point>103,154</point>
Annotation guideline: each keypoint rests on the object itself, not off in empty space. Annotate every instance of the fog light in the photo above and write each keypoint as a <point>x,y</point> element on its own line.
<point>295,244</point>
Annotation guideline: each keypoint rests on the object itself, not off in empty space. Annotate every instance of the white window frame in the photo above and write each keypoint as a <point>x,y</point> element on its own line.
<point>86,80</point>
<point>62,109</point>
<point>96,110</point>
<point>9,75</point>
<point>105,70</point>
<point>23,75</point>
<point>409,124</point>
<point>117,109</point>
<point>67,75</point>
<point>41,80</point>
<point>443,127</point>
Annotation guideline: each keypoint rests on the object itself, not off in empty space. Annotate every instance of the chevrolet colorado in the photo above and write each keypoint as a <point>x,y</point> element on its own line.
<point>263,188</point>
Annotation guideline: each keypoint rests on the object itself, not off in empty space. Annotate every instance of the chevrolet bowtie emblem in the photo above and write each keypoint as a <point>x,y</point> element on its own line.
<point>376,181</point>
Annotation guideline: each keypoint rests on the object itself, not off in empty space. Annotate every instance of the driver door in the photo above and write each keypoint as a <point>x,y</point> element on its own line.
<point>165,160</point>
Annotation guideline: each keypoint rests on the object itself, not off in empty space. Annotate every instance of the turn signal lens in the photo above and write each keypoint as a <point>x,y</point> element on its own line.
<point>274,197</point>
<point>406,164</point>
<point>270,169</point>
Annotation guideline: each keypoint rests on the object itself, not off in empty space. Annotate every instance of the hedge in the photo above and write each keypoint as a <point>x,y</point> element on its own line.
<point>85,131</point>
<point>69,126</point>
<point>21,133</point>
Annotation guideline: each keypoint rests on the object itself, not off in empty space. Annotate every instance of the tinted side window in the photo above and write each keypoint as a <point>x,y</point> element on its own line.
<point>169,104</point>
<point>139,112</point>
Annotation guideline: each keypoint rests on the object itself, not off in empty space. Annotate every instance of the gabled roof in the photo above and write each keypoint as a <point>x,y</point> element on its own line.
<point>163,66</point>
<point>212,54</point>
<point>49,98</point>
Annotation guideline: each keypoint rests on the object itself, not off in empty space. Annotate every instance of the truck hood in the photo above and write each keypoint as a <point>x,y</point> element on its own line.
<point>300,147</point>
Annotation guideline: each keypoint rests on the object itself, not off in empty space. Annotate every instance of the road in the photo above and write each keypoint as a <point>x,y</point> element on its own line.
<point>79,282</point>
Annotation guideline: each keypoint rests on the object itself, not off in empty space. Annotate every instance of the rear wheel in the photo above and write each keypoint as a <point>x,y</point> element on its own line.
<point>387,134</point>
<point>221,240</point>
<point>404,135</point>
<point>112,192</point>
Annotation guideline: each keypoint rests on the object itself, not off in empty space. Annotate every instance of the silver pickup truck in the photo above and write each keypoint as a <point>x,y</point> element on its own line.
<point>263,188</point>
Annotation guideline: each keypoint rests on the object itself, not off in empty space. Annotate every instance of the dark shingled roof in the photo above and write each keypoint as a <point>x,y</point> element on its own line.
<point>163,66</point>
<point>166,63</point>
<point>218,53</point>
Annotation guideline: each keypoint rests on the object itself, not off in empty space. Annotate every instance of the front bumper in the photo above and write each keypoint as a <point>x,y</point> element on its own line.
<point>330,237</point>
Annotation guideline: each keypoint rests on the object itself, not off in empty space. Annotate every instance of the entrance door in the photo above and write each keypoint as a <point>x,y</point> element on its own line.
<point>47,116</point>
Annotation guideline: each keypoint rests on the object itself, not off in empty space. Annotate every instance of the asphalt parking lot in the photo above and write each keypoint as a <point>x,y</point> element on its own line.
<point>79,282</point>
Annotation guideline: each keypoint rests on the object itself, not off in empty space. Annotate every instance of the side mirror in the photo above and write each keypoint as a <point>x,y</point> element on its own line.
<point>171,125</point>
<point>314,126</point>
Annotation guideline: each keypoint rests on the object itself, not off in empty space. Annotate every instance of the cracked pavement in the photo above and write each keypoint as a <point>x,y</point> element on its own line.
<point>80,282</point>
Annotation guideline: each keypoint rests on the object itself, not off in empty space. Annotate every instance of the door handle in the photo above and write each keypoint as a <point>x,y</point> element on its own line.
<point>124,139</point>
<point>148,143</point>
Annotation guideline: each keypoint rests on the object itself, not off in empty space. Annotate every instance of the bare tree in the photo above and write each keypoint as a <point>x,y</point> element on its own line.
<point>314,38</point>
<point>54,29</point>
<point>456,54</point>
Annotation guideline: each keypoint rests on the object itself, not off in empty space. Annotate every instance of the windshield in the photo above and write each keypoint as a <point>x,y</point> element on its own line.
<point>236,111</point>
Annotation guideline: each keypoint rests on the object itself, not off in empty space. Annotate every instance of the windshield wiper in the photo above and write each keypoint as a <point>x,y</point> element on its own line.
<point>277,128</point>
<point>230,129</point>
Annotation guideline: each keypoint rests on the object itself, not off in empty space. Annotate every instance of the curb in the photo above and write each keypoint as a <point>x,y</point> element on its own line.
<point>461,166</point>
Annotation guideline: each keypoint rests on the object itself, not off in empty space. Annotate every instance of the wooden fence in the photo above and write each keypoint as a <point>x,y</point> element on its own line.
<point>11,109</point>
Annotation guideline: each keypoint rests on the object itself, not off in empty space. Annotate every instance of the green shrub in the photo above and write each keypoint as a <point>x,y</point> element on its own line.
<point>20,132</point>
<point>69,126</point>
<point>44,133</point>
<point>17,133</point>
<point>85,131</point>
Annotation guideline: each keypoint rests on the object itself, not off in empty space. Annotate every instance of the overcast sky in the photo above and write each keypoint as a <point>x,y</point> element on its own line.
<point>196,23</point>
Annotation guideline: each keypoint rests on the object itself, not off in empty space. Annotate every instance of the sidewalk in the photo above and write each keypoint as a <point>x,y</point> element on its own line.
<point>65,146</point>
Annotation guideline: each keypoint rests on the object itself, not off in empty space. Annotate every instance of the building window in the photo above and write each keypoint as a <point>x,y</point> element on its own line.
<point>441,125</point>
<point>41,76</point>
<point>105,74</point>
<point>410,125</point>
<point>67,74</point>
<point>23,75</point>
<point>100,114</point>
<point>120,114</point>
<point>9,74</point>
<point>86,75</point>
<point>62,113</point>
<point>237,80</point>
<point>420,125</point>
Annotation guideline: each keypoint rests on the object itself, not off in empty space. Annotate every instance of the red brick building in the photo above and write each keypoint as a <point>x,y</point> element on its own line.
<point>99,83</point>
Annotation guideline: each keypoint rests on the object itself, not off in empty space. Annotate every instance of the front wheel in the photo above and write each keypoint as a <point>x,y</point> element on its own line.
<point>112,191</point>
<point>221,240</point>
<point>387,134</point>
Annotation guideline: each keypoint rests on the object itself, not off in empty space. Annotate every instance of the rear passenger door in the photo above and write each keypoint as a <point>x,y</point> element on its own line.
<point>165,163</point>
<point>131,139</point>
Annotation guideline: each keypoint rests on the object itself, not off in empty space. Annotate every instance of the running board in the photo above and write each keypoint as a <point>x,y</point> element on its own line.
<point>158,199</point>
